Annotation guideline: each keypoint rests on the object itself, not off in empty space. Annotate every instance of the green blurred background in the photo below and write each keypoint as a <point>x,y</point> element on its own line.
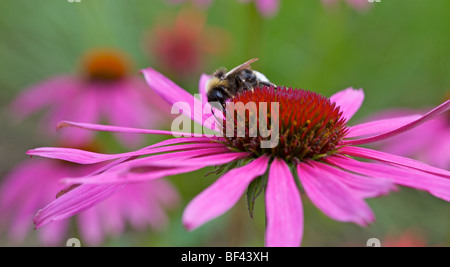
<point>397,51</point>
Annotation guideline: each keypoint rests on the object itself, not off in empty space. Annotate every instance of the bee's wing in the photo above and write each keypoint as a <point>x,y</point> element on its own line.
<point>245,65</point>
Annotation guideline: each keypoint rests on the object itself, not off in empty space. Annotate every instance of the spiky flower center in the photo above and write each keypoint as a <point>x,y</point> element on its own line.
<point>309,125</point>
<point>105,65</point>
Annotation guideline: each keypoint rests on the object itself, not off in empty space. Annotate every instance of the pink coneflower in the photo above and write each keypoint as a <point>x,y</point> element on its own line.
<point>103,90</point>
<point>33,184</point>
<point>356,4</point>
<point>429,143</point>
<point>181,47</point>
<point>315,144</point>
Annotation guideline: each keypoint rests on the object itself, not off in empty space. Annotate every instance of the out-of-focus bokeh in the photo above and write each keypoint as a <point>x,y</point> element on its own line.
<point>397,51</point>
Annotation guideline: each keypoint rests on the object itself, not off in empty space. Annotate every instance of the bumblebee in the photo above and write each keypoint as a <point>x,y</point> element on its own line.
<point>224,85</point>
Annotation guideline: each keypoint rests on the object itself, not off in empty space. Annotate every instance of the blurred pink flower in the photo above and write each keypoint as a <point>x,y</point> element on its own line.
<point>104,90</point>
<point>406,239</point>
<point>180,47</point>
<point>34,183</point>
<point>429,143</point>
<point>200,3</point>
<point>357,4</point>
<point>267,8</point>
<point>315,144</point>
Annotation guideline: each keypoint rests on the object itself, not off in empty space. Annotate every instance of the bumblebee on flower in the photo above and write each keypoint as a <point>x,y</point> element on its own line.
<point>317,151</point>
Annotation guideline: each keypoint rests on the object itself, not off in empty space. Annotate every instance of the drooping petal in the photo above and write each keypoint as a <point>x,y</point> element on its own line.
<point>156,167</point>
<point>175,95</point>
<point>74,201</point>
<point>223,194</point>
<point>393,159</point>
<point>118,129</point>
<point>365,186</point>
<point>436,185</point>
<point>349,101</point>
<point>430,115</point>
<point>87,157</point>
<point>284,211</point>
<point>379,126</point>
<point>333,197</point>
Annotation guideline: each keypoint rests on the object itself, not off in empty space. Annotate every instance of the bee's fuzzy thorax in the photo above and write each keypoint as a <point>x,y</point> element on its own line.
<point>220,73</point>
<point>211,83</point>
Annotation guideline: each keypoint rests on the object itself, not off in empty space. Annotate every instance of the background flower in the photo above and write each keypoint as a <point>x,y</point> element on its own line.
<point>182,46</point>
<point>409,238</point>
<point>34,183</point>
<point>104,89</point>
<point>267,8</point>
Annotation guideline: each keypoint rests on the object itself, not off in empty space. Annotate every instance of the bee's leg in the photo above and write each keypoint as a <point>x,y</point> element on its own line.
<point>217,119</point>
<point>268,84</point>
<point>246,84</point>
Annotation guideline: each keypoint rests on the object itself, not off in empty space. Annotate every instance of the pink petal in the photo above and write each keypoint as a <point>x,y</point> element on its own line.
<point>175,95</point>
<point>333,197</point>
<point>204,99</point>
<point>268,8</point>
<point>284,211</point>
<point>150,214</point>
<point>156,167</point>
<point>82,108</point>
<point>436,185</point>
<point>73,202</point>
<point>359,4</point>
<point>365,186</point>
<point>90,227</point>
<point>39,96</point>
<point>438,153</point>
<point>430,115</point>
<point>118,129</point>
<point>125,107</point>
<point>417,140</point>
<point>348,101</point>
<point>53,234</point>
<point>379,126</point>
<point>223,194</point>
<point>165,193</point>
<point>202,85</point>
<point>87,157</point>
<point>393,159</point>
